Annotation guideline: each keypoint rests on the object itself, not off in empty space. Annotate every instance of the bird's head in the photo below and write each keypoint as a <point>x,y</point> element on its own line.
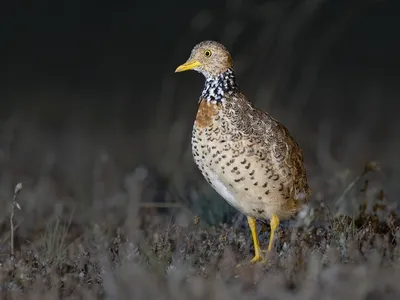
<point>209,58</point>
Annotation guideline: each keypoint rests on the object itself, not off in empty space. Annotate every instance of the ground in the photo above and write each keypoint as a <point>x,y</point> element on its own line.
<point>164,252</point>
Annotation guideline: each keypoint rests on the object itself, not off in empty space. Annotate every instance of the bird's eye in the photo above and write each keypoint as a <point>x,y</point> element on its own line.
<point>207,53</point>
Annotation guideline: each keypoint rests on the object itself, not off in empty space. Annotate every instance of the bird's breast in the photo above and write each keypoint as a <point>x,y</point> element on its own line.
<point>207,113</point>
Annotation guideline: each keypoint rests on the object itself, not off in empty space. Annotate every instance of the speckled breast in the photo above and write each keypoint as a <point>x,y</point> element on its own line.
<point>212,151</point>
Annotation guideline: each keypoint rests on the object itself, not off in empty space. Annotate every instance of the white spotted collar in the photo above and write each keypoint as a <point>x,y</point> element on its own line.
<point>217,88</point>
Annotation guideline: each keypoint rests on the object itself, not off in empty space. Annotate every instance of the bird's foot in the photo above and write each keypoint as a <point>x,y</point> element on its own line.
<point>256,259</point>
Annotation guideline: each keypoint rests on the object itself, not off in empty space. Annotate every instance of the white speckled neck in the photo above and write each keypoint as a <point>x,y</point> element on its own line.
<point>217,88</point>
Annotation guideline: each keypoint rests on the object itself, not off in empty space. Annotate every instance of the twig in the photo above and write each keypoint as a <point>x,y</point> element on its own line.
<point>370,167</point>
<point>17,189</point>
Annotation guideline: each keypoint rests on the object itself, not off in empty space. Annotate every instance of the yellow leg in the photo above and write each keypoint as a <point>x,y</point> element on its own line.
<point>274,226</point>
<point>257,249</point>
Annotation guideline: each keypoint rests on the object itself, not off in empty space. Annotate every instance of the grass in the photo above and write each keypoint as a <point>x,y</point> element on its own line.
<point>166,252</point>
<point>54,237</point>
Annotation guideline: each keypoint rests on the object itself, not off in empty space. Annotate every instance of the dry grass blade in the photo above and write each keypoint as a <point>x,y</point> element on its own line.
<point>370,167</point>
<point>15,204</point>
<point>55,240</point>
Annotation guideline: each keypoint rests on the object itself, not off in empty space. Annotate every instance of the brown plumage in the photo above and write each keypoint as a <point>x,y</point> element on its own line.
<point>247,156</point>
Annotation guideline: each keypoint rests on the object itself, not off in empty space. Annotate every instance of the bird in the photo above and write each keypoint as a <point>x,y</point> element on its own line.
<point>248,157</point>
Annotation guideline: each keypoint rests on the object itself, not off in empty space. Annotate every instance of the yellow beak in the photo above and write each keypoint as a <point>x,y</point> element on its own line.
<point>189,65</point>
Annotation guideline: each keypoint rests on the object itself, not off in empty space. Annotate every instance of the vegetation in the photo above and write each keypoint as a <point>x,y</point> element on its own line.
<point>159,250</point>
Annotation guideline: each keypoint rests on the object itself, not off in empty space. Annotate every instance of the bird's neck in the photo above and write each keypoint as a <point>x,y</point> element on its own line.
<point>218,88</point>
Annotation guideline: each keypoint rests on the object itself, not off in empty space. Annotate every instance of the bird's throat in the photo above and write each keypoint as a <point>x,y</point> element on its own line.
<point>218,89</point>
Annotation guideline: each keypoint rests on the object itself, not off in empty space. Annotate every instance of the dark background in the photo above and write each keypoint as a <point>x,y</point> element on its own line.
<point>90,83</point>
